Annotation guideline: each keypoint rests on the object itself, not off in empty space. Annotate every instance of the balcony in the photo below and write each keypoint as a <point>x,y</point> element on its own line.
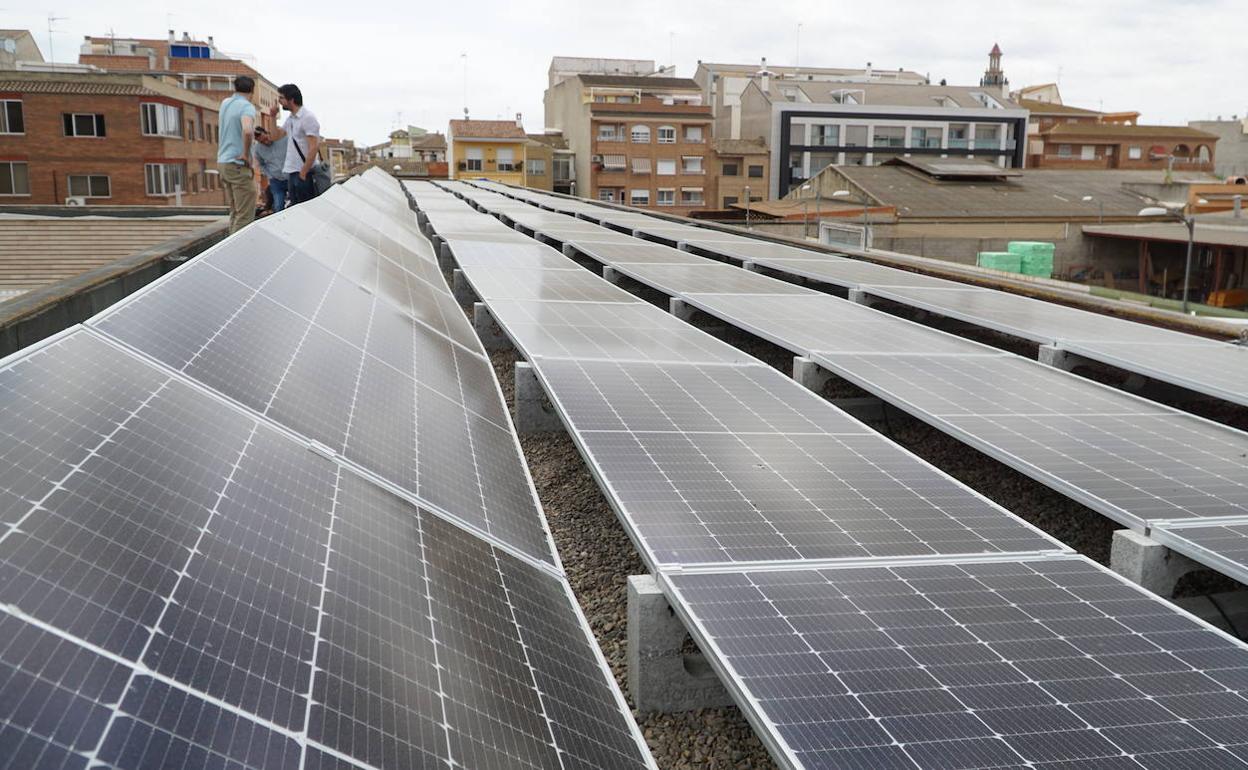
<point>649,107</point>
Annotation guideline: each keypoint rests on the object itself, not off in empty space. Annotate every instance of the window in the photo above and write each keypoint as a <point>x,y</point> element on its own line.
<point>730,169</point>
<point>641,135</point>
<point>855,136</point>
<point>613,163</point>
<point>691,196</point>
<point>506,159</point>
<point>729,200</point>
<point>1064,151</point>
<point>1087,152</point>
<point>12,121</point>
<point>190,52</point>
<point>666,166</point>
<point>667,135</point>
<point>537,167</point>
<point>756,172</point>
<point>639,197</point>
<point>889,136</point>
<point>693,133</point>
<point>164,178</point>
<point>925,137</point>
<point>610,133</point>
<point>14,178</point>
<point>825,136</point>
<point>666,197</point>
<point>691,164</point>
<point>1135,153</point>
<point>89,185</point>
<point>641,165</point>
<point>475,159</point>
<point>959,136</point>
<point>160,119</point>
<point>987,137</point>
<point>606,194</point>
<point>83,124</point>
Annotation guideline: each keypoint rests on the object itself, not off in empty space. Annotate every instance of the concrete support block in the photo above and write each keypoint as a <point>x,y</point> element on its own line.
<point>491,334</point>
<point>612,275</point>
<point>861,297</point>
<point>681,309</point>
<point>752,267</point>
<point>568,250</point>
<point>534,412</point>
<point>1051,355</point>
<point>1143,560</point>
<point>660,676</point>
<point>810,374</point>
<point>684,246</point>
<point>446,260</point>
<point>460,288</point>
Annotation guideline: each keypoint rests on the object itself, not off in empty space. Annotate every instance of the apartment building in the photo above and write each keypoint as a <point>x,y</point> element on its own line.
<point>104,138</point>
<point>548,163</point>
<point>641,141</point>
<point>743,171</point>
<point>196,65</point>
<point>487,149</point>
<point>563,67</point>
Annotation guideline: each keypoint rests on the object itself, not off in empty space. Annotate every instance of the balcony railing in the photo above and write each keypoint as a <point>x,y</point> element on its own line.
<point>928,144</point>
<point>889,141</point>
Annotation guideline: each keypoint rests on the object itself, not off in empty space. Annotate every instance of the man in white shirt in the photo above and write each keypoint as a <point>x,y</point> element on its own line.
<point>302,131</point>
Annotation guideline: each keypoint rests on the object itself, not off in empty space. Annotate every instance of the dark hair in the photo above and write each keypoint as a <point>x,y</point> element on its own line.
<point>292,92</point>
<point>244,84</point>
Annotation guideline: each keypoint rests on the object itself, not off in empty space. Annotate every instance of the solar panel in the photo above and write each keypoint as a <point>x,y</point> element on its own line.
<point>852,273</point>
<point>1222,545</point>
<point>709,278</point>
<point>721,497</point>
<point>615,252</point>
<point>610,330</point>
<point>985,386</point>
<point>606,395</point>
<point>558,285</point>
<point>509,255</point>
<point>1132,468</point>
<point>1208,366</point>
<point>825,323</point>
<point>745,248</point>
<point>973,665</point>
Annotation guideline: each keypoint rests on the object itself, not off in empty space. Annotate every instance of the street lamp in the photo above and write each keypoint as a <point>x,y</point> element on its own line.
<point>1189,220</point>
<point>1100,220</point>
<point>747,207</point>
<point>866,220</point>
<point>805,213</point>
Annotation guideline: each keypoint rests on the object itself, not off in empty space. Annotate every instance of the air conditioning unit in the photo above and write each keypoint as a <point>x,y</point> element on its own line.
<point>76,200</point>
<point>595,159</point>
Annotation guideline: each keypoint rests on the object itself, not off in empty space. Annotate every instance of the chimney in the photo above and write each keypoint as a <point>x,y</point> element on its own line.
<point>519,122</point>
<point>211,43</point>
<point>186,36</point>
<point>172,37</point>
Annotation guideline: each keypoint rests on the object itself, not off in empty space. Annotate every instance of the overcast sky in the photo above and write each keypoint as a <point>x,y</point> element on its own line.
<point>364,63</point>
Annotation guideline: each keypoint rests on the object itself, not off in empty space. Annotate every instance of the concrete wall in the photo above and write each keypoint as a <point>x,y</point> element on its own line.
<point>1231,158</point>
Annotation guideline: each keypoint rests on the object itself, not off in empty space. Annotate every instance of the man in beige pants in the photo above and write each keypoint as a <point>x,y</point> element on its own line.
<point>236,122</point>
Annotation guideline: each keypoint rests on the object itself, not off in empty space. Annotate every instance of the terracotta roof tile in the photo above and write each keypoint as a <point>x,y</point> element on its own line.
<point>487,129</point>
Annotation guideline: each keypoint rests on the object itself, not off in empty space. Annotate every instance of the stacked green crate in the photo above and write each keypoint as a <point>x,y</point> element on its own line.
<point>1001,260</point>
<point>1036,257</point>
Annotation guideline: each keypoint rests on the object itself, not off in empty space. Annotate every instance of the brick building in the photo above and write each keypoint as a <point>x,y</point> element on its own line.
<point>642,141</point>
<point>1110,145</point>
<point>105,138</point>
<point>196,65</point>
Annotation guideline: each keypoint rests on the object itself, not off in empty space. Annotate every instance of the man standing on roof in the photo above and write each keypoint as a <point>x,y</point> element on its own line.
<point>303,134</point>
<point>235,121</point>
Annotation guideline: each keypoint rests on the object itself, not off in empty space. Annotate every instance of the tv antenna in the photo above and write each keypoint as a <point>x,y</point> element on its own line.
<point>52,19</point>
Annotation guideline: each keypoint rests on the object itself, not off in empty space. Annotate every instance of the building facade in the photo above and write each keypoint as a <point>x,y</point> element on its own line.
<point>1232,155</point>
<point>487,149</point>
<point>640,141</point>
<point>1110,146</point>
<point>742,172</point>
<point>106,139</point>
<point>548,164</point>
<point>196,65</point>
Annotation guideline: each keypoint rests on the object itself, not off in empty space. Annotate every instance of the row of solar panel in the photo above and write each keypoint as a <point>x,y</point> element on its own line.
<point>1143,464</point>
<point>191,575</point>
<point>1218,369</point>
<point>957,662</point>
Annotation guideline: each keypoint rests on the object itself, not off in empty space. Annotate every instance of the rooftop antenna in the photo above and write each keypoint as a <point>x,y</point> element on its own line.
<point>797,50</point>
<point>671,51</point>
<point>464,56</point>
<point>52,19</point>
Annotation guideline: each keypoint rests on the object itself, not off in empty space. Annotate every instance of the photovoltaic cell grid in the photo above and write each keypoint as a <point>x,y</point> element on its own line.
<point>708,278</point>
<point>732,466</point>
<point>606,330</point>
<point>1218,369</point>
<point>1223,545</point>
<point>193,584</point>
<point>1056,663</point>
<point>319,354</point>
